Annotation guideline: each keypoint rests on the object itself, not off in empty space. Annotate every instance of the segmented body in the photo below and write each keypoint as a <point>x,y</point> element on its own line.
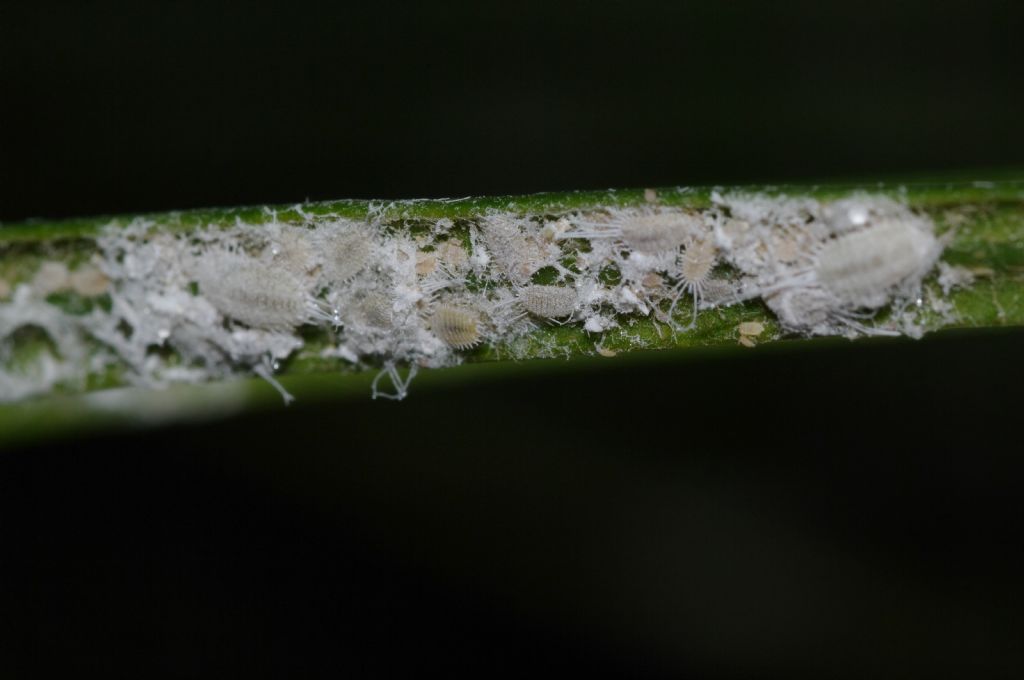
<point>697,262</point>
<point>655,233</point>
<point>346,251</point>
<point>458,327</point>
<point>248,291</point>
<point>861,268</point>
<point>516,254</point>
<point>549,302</point>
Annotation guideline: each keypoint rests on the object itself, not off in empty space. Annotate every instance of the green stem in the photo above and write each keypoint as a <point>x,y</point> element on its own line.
<point>986,221</point>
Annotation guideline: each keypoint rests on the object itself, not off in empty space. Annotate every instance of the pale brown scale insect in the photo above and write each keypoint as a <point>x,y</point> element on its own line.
<point>549,302</point>
<point>652,281</point>
<point>458,327</point>
<point>90,281</point>
<point>51,277</point>
<point>753,328</point>
<point>425,263</point>
<point>748,332</point>
<point>452,254</point>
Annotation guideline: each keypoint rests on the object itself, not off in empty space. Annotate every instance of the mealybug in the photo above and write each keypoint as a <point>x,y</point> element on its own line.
<point>696,263</point>
<point>458,327</point>
<point>345,250</point>
<point>860,268</point>
<point>647,232</point>
<point>549,302</point>
<point>246,290</point>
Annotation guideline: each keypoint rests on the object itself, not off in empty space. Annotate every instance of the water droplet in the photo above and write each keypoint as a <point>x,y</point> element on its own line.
<point>857,216</point>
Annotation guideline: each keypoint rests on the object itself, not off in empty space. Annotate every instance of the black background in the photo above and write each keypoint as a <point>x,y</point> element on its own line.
<point>845,510</point>
<point>113,107</point>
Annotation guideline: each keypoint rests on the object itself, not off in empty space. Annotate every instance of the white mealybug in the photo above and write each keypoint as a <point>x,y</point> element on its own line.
<point>695,266</point>
<point>376,311</point>
<point>293,250</point>
<point>457,327</point>
<point>549,302</point>
<point>247,290</point>
<point>644,231</point>
<point>517,254</point>
<point>345,249</point>
<point>862,268</point>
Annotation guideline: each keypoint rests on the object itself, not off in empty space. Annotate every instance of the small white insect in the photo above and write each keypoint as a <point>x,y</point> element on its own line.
<point>457,327</point>
<point>549,302</point>
<point>862,268</point>
<point>345,249</point>
<point>375,309</point>
<point>695,266</point>
<point>856,272</point>
<point>292,249</point>
<point>247,290</point>
<point>645,231</point>
<point>518,254</point>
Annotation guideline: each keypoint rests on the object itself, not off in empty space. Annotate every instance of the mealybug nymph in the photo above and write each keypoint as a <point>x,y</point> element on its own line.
<point>644,231</point>
<point>345,250</point>
<point>458,327</point>
<point>516,254</point>
<point>696,263</point>
<point>549,302</point>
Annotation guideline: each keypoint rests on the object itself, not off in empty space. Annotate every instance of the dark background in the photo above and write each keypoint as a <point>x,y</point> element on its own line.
<point>114,107</point>
<point>851,509</point>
